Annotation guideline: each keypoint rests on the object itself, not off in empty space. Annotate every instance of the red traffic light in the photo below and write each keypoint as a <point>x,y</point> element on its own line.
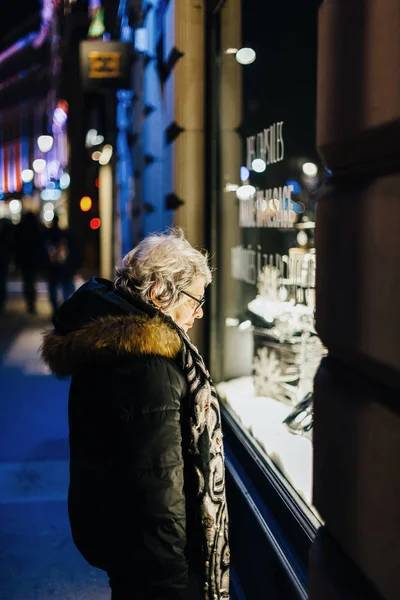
<point>95,223</point>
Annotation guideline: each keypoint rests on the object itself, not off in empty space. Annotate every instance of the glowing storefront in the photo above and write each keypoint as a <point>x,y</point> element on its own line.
<point>263,175</point>
<point>33,121</point>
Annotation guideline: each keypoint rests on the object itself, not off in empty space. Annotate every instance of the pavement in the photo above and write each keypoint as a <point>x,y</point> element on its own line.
<point>38,560</point>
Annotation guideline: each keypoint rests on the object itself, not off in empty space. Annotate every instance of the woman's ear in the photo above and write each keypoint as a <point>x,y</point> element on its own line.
<point>153,298</point>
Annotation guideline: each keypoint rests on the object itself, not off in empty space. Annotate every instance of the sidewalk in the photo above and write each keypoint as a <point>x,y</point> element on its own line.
<point>38,560</point>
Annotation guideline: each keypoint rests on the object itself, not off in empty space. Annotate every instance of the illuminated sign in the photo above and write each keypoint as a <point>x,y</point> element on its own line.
<point>97,27</point>
<point>105,64</point>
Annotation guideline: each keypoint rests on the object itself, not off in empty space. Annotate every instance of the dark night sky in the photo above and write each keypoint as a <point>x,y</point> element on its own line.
<point>12,13</point>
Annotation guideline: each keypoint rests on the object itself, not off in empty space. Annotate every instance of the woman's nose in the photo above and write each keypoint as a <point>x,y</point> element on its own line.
<point>199,313</point>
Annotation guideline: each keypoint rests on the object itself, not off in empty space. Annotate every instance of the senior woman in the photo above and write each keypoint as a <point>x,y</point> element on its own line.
<point>147,484</point>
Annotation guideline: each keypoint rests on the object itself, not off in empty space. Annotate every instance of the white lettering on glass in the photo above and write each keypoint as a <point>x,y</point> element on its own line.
<point>294,272</point>
<point>267,145</point>
<point>269,208</point>
<point>251,151</point>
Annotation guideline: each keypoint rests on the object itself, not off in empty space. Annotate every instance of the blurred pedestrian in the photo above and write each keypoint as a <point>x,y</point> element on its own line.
<point>62,261</point>
<point>147,479</point>
<point>6,242</point>
<point>28,256</point>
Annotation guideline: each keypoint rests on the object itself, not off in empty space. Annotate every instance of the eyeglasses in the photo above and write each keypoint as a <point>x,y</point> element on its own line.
<point>199,301</point>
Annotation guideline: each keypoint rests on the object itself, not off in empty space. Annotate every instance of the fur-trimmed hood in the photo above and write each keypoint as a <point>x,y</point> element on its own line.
<point>107,338</point>
<point>101,339</point>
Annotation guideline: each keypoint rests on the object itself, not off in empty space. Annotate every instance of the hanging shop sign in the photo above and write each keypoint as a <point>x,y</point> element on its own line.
<point>105,65</point>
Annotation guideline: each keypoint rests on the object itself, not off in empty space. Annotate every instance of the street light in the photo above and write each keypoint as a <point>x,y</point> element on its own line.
<point>245,192</point>
<point>93,138</point>
<point>45,143</point>
<point>27,175</point>
<point>310,169</point>
<point>86,203</point>
<point>39,165</point>
<point>48,215</point>
<point>106,154</point>
<point>65,180</point>
<point>258,165</point>
<point>245,56</point>
<point>15,206</point>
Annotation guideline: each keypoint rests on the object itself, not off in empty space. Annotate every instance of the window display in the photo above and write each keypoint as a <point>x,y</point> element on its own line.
<point>269,174</point>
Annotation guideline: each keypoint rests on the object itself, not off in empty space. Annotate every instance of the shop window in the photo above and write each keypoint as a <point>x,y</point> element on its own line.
<point>269,173</point>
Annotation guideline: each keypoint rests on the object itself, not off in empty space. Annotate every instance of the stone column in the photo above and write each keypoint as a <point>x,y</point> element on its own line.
<point>230,119</point>
<point>357,388</point>
<point>188,79</point>
<point>186,129</point>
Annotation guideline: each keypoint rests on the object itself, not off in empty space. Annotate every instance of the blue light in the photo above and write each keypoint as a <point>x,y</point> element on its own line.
<point>141,39</point>
<point>50,194</point>
<point>297,208</point>
<point>295,184</point>
<point>244,173</point>
<point>27,188</point>
<point>328,171</point>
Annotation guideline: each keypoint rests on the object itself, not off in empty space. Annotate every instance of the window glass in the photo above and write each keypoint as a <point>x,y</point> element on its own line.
<point>269,175</point>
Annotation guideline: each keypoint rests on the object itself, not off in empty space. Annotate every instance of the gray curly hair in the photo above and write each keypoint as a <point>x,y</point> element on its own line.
<point>165,262</point>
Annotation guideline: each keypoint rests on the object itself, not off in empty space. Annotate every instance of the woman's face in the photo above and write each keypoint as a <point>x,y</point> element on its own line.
<point>187,310</point>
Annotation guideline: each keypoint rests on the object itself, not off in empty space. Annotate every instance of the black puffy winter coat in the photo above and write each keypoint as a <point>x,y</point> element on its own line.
<point>131,495</point>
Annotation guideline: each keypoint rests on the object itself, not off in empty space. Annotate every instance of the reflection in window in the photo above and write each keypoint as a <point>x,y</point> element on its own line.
<point>270,173</point>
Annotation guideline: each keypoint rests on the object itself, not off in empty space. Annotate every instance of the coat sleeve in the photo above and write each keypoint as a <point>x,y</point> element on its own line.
<point>157,480</point>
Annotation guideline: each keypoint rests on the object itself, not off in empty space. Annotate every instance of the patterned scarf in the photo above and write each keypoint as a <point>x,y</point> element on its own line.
<point>206,449</point>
